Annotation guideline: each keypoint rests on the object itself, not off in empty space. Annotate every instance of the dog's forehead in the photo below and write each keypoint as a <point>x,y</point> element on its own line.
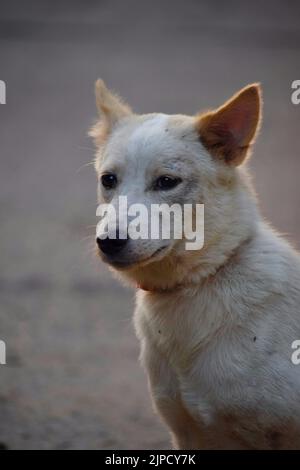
<point>150,138</point>
<point>156,135</point>
<point>152,126</point>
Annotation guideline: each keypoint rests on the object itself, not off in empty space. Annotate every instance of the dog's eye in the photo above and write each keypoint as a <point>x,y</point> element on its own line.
<point>109,180</point>
<point>164,183</point>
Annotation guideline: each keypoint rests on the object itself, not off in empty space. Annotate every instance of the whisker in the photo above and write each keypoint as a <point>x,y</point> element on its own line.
<point>85,165</point>
<point>88,237</point>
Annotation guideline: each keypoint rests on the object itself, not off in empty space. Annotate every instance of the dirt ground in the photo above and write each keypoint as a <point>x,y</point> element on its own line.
<point>72,379</point>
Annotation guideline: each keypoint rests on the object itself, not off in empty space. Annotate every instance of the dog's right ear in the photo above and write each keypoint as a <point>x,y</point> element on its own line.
<point>111,109</point>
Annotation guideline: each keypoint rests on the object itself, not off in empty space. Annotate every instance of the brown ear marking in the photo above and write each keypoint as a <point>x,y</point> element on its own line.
<point>228,132</point>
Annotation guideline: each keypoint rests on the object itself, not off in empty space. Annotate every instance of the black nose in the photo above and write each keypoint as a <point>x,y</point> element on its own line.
<point>110,246</point>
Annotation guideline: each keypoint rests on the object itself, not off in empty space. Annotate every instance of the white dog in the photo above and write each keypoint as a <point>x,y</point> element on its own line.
<point>216,326</point>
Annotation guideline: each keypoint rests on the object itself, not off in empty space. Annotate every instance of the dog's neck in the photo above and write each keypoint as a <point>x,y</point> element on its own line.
<point>190,270</point>
<point>196,275</point>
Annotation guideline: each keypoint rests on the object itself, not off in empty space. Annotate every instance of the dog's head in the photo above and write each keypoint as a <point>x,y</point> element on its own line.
<point>157,158</point>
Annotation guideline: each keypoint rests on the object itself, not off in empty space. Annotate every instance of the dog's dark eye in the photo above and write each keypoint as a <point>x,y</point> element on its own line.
<point>164,183</point>
<point>109,180</point>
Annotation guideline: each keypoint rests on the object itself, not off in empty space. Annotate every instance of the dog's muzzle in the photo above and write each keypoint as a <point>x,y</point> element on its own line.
<point>111,246</point>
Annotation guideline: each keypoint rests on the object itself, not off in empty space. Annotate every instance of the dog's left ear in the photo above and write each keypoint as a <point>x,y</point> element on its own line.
<point>228,132</point>
<point>111,110</point>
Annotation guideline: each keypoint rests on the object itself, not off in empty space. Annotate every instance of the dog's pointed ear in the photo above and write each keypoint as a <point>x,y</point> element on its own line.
<point>228,132</point>
<point>111,110</point>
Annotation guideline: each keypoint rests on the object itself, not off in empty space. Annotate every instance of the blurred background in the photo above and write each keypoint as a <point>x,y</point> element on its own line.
<point>72,379</point>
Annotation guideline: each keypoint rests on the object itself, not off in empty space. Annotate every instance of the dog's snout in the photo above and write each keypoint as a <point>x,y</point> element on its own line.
<point>111,246</point>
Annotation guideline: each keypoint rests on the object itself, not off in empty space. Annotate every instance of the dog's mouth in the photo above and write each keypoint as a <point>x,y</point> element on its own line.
<point>123,264</point>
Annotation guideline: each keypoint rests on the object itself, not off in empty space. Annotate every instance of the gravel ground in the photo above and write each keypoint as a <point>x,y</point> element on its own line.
<point>72,378</point>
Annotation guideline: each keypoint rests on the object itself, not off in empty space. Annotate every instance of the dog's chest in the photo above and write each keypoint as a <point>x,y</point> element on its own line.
<point>184,334</point>
<point>215,392</point>
<point>215,373</point>
<point>180,328</point>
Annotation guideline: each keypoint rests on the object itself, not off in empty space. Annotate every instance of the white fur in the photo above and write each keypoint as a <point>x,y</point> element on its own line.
<point>216,343</point>
<point>219,352</point>
<point>145,131</point>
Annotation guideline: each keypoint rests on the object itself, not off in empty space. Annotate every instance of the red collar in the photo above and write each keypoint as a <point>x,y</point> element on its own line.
<point>165,290</point>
